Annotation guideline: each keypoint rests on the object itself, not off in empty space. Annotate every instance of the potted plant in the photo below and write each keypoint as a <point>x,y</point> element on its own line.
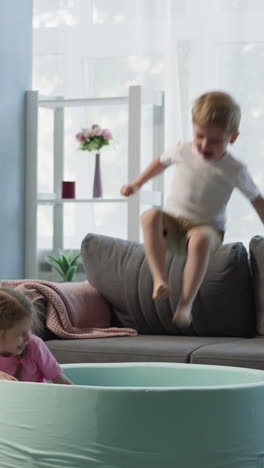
<point>65,264</point>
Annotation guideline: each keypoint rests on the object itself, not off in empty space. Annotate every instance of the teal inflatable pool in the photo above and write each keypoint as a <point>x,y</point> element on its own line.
<point>135,415</point>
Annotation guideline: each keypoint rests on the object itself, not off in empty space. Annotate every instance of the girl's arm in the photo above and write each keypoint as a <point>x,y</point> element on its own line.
<point>62,379</point>
<point>258,204</point>
<point>5,376</point>
<point>152,170</point>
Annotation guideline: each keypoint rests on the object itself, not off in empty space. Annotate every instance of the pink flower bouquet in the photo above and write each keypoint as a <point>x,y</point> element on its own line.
<point>94,138</point>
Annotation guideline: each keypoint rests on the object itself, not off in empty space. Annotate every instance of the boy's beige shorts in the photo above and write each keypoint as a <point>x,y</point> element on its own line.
<point>177,232</point>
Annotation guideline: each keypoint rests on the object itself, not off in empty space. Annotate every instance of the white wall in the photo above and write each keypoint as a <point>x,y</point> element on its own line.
<point>15,79</point>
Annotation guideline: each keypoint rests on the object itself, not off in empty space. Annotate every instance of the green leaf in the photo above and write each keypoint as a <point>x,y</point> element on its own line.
<point>55,261</point>
<point>70,273</point>
<point>69,256</point>
<point>61,273</point>
<point>74,260</point>
<point>65,264</point>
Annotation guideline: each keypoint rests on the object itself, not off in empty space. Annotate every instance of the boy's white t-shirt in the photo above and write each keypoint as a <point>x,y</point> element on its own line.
<point>201,189</point>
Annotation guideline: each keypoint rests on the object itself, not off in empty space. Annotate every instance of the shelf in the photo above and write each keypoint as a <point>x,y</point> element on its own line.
<point>151,97</point>
<point>147,197</point>
<point>58,103</point>
<point>151,196</point>
<point>60,201</point>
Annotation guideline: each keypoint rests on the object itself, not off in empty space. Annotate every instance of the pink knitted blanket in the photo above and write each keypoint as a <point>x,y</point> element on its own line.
<point>74,310</point>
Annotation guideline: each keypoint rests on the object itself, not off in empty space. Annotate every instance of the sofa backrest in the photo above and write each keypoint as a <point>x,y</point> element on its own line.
<point>224,305</point>
<point>256,248</point>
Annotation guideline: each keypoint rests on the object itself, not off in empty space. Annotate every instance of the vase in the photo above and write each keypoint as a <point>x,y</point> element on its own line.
<point>97,184</point>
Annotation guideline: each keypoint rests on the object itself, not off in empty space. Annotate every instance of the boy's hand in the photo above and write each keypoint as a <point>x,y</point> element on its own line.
<point>129,189</point>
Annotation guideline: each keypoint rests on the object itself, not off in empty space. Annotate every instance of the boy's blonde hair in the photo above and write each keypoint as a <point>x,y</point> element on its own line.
<point>217,109</point>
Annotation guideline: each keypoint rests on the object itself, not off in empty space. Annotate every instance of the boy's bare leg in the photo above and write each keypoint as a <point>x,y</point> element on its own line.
<point>194,271</point>
<point>155,250</point>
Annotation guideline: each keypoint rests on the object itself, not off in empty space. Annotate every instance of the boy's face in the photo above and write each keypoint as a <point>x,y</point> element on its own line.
<point>211,142</point>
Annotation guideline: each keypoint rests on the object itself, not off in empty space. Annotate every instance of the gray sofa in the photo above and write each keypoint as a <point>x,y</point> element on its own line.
<point>228,312</point>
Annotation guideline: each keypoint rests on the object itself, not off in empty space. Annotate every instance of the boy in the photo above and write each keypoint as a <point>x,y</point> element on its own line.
<point>193,220</point>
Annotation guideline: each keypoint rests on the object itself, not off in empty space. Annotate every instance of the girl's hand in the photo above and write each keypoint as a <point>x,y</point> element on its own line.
<point>62,379</point>
<point>4,376</point>
<point>129,189</point>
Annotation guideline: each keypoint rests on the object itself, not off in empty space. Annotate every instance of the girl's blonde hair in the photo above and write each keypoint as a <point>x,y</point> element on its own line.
<point>217,109</point>
<point>15,306</point>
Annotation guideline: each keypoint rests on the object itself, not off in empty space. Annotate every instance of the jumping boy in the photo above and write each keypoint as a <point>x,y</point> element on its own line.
<point>193,220</point>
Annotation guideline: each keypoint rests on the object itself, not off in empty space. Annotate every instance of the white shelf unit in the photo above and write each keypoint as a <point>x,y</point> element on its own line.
<point>135,100</point>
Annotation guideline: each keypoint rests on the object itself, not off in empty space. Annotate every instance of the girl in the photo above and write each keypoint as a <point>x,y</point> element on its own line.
<point>24,356</point>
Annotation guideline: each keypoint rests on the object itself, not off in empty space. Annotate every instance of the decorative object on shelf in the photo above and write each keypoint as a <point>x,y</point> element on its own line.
<point>68,189</point>
<point>97,183</point>
<point>93,139</point>
<point>64,264</point>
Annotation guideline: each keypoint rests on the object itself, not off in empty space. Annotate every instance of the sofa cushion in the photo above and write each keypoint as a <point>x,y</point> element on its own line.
<point>238,352</point>
<point>256,248</point>
<point>223,307</point>
<point>129,349</point>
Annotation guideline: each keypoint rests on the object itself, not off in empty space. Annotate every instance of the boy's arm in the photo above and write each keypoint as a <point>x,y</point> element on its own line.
<point>61,379</point>
<point>154,168</point>
<point>258,204</point>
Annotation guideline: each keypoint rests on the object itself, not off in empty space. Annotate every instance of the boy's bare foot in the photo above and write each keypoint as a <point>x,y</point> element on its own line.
<point>161,291</point>
<point>183,316</point>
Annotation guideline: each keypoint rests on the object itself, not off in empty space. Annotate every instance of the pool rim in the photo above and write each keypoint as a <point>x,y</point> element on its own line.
<point>169,364</point>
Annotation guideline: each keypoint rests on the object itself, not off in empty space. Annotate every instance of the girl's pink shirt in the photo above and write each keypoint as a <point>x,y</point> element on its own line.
<point>39,365</point>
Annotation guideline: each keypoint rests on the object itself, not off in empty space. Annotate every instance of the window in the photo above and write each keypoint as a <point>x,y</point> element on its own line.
<point>97,48</point>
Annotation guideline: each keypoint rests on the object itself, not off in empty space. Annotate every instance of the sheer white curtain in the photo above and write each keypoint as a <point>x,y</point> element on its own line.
<point>224,50</point>
<point>185,47</point>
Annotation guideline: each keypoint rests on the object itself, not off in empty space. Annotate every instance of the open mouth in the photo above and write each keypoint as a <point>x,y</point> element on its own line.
<point>21,348</point>
<point>207,155</point>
